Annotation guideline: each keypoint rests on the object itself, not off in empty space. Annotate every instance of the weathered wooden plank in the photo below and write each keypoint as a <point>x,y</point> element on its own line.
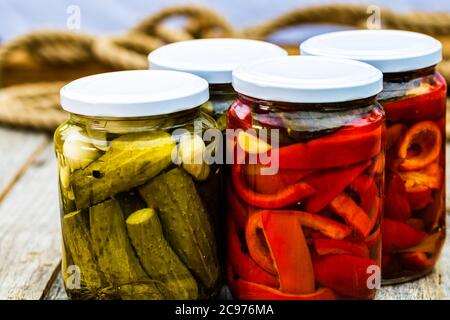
<point>30,232</point>
<point>17,149</point>
<point>56,291</point>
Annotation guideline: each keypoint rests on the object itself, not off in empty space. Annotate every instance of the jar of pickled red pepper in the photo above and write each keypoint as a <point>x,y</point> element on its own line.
<point>214,61</point>
<point>136,192</point>
<point>414,99</point>
<point>306,184</point>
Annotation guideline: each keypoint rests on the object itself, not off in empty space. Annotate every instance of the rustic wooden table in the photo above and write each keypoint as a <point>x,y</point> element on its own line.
<point>30,240</point>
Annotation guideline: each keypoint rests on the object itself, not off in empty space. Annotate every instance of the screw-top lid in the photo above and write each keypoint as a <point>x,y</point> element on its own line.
<point>134,93</point>
<point>308,80</point>
<point>212,59</point>
<point>388,50</point>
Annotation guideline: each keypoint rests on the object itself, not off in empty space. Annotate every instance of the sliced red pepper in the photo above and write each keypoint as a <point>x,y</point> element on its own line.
<point>257,243</point>
<point>270,184</point>
<point>328,227</point>
<point>373,239</point>
<point>435,211</point>
<point>330,183</point>
<point>239,115</point>
<point>344,206</point>
<point>394,134</point>
<point>396,204</point>
<point>331,246</point>
<point>366,189</point>
<point>344,147</point>
<point>245,290</point>
<point>420,146</point>
<point>431,176</point>
<point>399,235</point>
<point>290,251</point>
<point>236,208</point>
<point>242,263</point>
<point>417,261</point>
<point>426,106</point>
<point>345,274</point>
<point>416,223</point>
<point>419,199</point>
<point>288,196</point>
<point>378,165</point>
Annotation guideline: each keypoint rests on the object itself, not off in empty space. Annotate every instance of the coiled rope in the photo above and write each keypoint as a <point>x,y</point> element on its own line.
<point>36,105</point>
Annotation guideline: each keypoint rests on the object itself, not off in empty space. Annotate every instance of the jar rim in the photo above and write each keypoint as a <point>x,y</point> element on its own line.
<point>136,93</point>
<point>300,79</point>
<point>212,59</point>
<point>390,51</point>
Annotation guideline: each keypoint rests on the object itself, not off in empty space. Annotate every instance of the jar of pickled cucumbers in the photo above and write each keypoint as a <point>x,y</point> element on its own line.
<point>137,193</point>
<point>214,61</point>
<point>306,186</point>
<point>414,98</point>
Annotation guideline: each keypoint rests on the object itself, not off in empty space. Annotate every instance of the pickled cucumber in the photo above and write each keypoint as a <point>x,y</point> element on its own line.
<point>79,245</point>
<point>116,258</point>
<point>157,257</point>
<point>139,291</point>
<point>131,160</point>
<point>185,222</point>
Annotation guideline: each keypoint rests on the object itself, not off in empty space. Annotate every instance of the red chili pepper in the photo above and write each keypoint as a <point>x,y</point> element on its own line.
<point>417,261</point>
<point>422,107</point>
<point>245,290</point>
<point>236,208</point>
<point>290,251</point>
<point>330,183</point>
<point>344,147</point>
<point>345,274</point>
<point>344,206</point>
<point>396,204</point>
<point>288,196</point>
<point>420,146</point>
<point>242,263</point>
<point>419,199</point>
<point>270,184</point>
<point>331,246</point>
<point>399,235</point>
<point>328,227</point>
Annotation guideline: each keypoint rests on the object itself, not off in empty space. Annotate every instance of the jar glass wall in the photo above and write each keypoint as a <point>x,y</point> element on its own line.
<point>139,203</point>
<point>305,189</point>
<point>221,97</point>
<point>414,225</point>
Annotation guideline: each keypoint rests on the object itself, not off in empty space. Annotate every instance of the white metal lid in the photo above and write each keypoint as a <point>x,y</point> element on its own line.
<point>134,93</point>
<point>308,80</point>
<point>387,50</point>
<point>212,59</point>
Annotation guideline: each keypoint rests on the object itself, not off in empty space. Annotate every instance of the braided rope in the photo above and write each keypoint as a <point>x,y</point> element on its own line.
<point>37,105</point>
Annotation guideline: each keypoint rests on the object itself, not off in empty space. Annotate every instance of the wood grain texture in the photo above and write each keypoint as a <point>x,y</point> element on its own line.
<point>17,150</point>
<point>30,231</point>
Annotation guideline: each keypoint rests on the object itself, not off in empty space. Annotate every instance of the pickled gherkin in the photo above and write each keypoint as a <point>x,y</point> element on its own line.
<point>185,222</point>
<point>116,257</point>
<point>157,257</point>
<point>79,245</point>
<point>131,160</point>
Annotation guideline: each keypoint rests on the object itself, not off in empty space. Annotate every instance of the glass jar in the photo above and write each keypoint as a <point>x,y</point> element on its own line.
<point>214,61</point>
<point>414,99</point>
<point>137,197</point>
<point>306,184</point>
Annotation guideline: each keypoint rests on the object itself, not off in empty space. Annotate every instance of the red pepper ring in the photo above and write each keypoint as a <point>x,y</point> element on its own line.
<point>257,244</point>
<point>242,263</point>
<point>245,290</point>
<point>344,206</point>
<point>344,147</point>
<point>326,226</point>
<point>420,146</point>
<point>331,246</point>
<point>288,196</point>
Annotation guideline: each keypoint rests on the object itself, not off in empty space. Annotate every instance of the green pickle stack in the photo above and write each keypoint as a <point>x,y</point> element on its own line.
<point>134,224</point>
